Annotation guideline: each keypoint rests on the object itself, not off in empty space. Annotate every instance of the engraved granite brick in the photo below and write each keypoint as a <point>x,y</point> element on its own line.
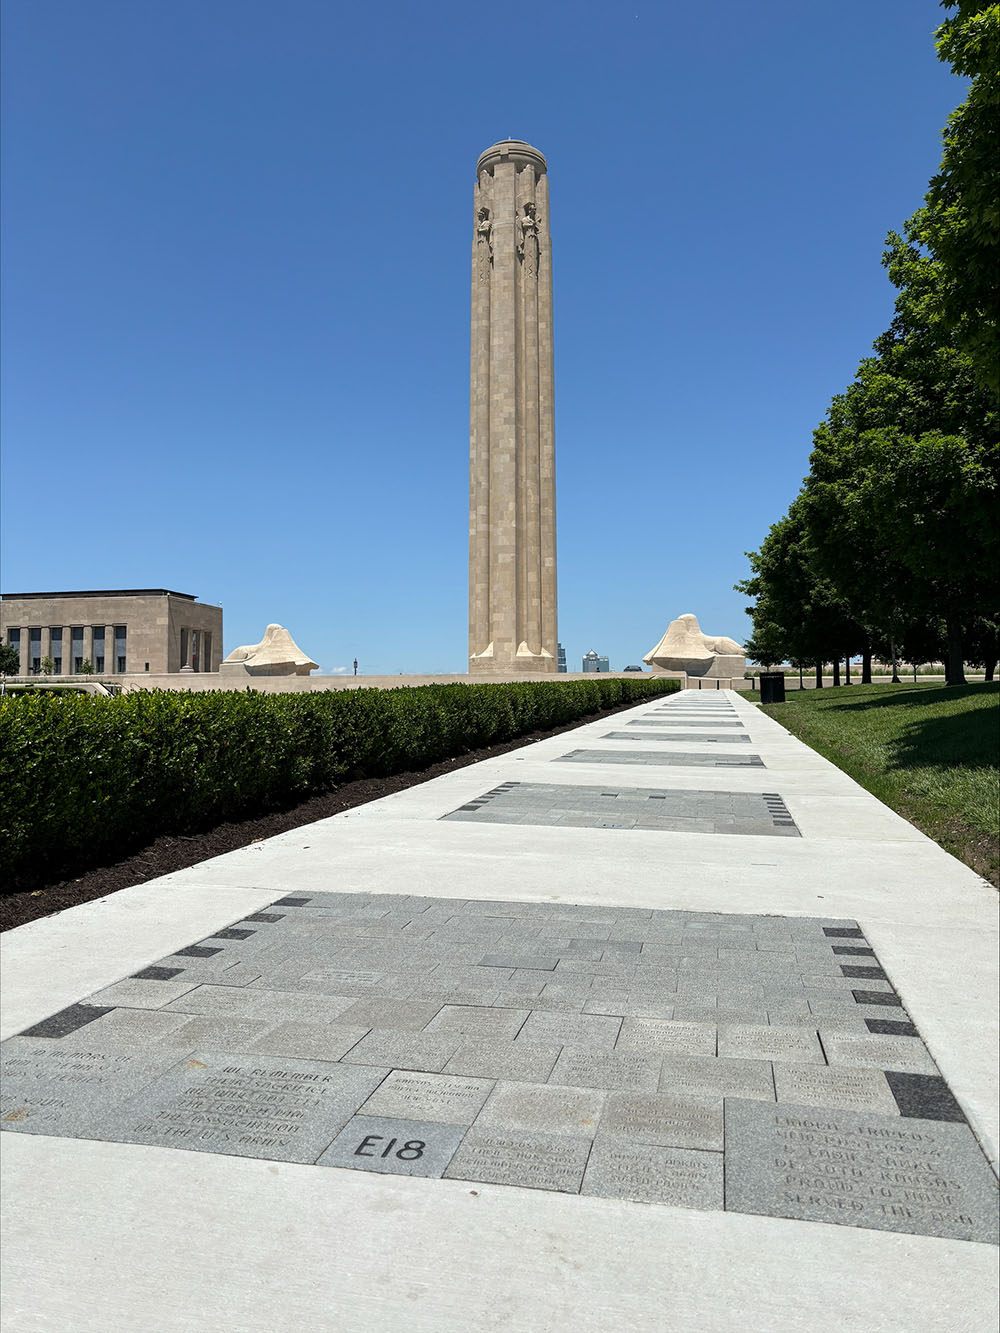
<point>518,1157</point>
<point>678,1176</point>
<point>245,1106</point>
<point>858,1169</point>
<point>666,1037</point>
<point>398,1049</point>
<point>699,1076</point>
<point>438,1097</point>
<point>663,1120</point>
<point>516,1061</point>
<point>585,1067</point>
<point>794,1044</point>
<point>908,1054</point>
<point>394,1147</point>
<point>542,1109</point>
<point>845,1089</point>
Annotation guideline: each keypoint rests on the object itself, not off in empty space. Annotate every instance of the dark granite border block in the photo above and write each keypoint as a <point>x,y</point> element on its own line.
<point>892,1027</point>
<point>67,1020</point>
<point>923,1096</point>
<point>233,934</point>
<point>157,973</point>
<point>843,932</point>
<point>851,949</point>
<point>195,951</point>
<point>291,902</point>
<point>265,916</point>
<point>863,973</point>
<point>886,997</point>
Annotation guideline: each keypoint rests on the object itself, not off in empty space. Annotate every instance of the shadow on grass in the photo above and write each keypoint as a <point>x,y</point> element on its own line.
<point>968,740</point>
<point>908,697</point>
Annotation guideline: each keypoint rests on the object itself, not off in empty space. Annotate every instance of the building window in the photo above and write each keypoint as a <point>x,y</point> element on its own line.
<point>76,656</point>
<point>14,639</point>
<point>184,648</point>
<point>55,648</point>
<point>34,651</point>
<point>195,640</point>
<point>119,648</point>
<point>208,651</point>
<point>99,648</point>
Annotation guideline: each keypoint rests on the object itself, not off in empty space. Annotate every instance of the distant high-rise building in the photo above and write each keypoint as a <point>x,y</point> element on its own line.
<point>560,658</point>
<point>593,662</point>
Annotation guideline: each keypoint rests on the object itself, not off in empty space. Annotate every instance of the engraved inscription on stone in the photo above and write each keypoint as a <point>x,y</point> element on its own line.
<point>677,1176</point>
<point>437,1097</point>
<point>48,1090</point>
<point>663,1121</point>
<point>394,1147</point>
<point>856,1169</point>
<point>848,1089</point>
<point>537,1161</point>
<point>259,1106</point>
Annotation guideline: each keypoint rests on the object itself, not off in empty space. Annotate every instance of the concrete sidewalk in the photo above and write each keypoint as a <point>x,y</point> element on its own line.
<point>691,1030</point>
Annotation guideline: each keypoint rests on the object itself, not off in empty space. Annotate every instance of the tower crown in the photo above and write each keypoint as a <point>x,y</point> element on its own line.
<point>510,150</point>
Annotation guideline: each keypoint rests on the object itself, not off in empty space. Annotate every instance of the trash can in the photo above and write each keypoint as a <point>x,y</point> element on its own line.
<point>772,687</point>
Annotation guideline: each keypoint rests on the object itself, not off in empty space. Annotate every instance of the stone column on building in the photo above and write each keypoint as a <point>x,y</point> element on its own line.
<point>512,534</point>
<point>46,645</point>
<point>25,665</point>
<point>110,662</point>
<point>67,651</point>
<point>88,643</point>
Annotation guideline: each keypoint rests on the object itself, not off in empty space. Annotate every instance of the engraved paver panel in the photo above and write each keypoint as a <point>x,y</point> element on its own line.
<point>518,1157</point>
<point>857,1169</point>
<point>419,1096</point>
<point>663,759</point>
<point>844,1089</point>
<point>673,737</point>
<point>663,1120</point>
<point>677,1176</point>
<point>664,810</point>
<point>246,1106</point>
<point>46,1088</point>
<point>512,1035</point>
<point>394,1147</point>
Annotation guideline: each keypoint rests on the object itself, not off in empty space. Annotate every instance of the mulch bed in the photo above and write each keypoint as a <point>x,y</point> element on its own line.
<point>166,854</point>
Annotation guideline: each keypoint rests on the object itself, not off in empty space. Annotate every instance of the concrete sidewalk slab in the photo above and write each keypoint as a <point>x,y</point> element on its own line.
<point>656,938</point>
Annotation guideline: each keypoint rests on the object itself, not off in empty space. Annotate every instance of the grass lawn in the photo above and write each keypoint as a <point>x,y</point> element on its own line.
<point>929,752</point>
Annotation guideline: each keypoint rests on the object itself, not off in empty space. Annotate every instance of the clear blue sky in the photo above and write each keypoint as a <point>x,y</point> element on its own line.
<point>237,281</point>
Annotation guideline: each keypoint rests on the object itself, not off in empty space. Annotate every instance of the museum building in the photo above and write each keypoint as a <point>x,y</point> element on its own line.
<point>112,631</point>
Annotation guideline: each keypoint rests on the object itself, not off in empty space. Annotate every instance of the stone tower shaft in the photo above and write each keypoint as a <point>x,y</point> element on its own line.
<point>512,535</point>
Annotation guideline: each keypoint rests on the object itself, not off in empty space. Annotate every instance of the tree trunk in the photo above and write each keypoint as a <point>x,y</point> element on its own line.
<point>954,671</point>
<point>866,667</point>
<point>991,665</point>
<point>836,671</point>
<point>819,675</point>
<point>802,686</point>
<point>847,669</point>
<point>895,663</point>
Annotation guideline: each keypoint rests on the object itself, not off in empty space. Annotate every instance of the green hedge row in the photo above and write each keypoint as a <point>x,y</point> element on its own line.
<point>83,778</point>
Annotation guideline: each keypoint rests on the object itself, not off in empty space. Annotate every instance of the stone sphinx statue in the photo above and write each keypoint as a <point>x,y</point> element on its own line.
<point>685,648</point>
<point>277,654</point>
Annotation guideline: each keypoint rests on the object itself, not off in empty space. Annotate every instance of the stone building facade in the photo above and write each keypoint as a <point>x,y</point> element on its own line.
<point>512,519</point>
<point>116,631</point>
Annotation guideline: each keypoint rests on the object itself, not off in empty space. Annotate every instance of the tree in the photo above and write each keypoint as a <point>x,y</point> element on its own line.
<point>905,475</point>
<point>10,660</point>
<point>797,613</point>
<point>47,666</point>
<point>959,223</point>
<point>86,668</point>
